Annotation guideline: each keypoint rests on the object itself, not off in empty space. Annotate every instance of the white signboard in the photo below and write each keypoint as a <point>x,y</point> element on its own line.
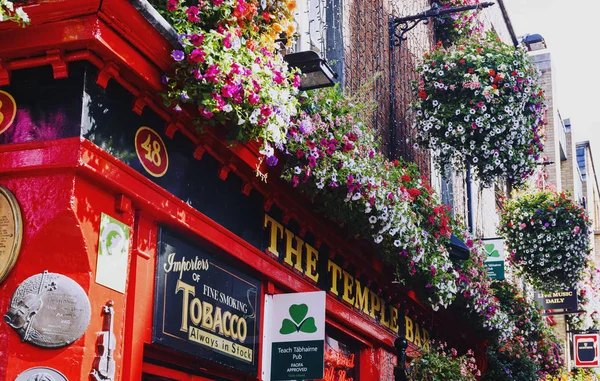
<point>294,336</point>
<point>113,253</point>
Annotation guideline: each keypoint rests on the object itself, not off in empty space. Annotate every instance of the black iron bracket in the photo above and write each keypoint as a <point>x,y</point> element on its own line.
<point>399,26</point>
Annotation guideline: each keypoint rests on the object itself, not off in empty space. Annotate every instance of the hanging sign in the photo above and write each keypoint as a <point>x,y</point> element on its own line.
<point>294,344</point>
<point>558,300</point>
<point>494,250</point>
<point>204,307</point>
<point>587,353</point>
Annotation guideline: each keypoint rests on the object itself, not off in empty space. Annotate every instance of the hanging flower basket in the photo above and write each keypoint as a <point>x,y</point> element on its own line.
<point>548,238</point>
<point>480,103</point>
<point>532,352</point>
<point>227,67</point>
<point>333,155</point>
<point>456,26</point>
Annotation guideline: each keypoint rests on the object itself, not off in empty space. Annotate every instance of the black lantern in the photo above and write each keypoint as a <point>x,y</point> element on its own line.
<point>534,42</point>
<point>458,249</point>
<point>315,71</point>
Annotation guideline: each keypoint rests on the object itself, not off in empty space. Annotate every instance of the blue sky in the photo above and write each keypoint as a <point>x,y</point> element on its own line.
<point>570,28</point>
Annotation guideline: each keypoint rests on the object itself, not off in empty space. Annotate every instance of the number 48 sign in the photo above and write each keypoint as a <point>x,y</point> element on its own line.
<point>151,151</point>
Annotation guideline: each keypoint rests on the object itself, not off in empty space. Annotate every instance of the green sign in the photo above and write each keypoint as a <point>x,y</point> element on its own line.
<point>296,337</point>
<point>494,249</point>
<point>297,360</point>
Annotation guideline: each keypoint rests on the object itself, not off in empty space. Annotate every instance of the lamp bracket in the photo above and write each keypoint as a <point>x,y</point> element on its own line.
<point>400,26</point>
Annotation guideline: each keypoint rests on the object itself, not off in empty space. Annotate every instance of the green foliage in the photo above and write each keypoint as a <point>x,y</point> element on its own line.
<point>443,364</point>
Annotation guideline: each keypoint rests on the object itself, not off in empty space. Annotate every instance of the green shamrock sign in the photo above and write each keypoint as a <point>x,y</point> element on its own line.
<point>298,314</point>
<point>491,251</point>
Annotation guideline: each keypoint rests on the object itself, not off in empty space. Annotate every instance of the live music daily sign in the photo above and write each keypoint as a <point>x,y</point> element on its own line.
<point>294,345</point>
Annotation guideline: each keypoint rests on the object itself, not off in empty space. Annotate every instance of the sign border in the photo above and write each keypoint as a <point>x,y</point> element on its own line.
<point>586,364</point>
<point>18,221</point>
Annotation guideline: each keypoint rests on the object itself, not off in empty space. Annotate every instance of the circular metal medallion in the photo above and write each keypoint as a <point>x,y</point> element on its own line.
<point>11,231</point>
<point>41,373</point>
<point>49,310</point>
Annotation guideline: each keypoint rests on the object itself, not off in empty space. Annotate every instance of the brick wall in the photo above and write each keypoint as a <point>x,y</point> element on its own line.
<point>551,148</point>
<point>366,40</point>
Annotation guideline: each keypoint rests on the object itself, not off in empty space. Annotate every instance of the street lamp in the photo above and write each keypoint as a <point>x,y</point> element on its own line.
<point>534,42</point>
<point>457,249</point>
<point>315,71</point>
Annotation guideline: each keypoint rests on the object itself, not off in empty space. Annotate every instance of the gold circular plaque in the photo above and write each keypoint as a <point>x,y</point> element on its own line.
<point>11,231</point>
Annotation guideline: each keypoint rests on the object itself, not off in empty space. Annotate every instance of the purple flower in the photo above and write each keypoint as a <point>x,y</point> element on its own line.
<point>184,96</point>
<point>272,161</point>
<point>178,55</point>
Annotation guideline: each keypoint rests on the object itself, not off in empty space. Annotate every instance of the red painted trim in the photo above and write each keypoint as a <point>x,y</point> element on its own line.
<point>116,39</point>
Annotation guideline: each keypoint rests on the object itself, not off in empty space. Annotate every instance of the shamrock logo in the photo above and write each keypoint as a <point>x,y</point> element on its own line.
<point>491,251</point>
<point>298,313</point>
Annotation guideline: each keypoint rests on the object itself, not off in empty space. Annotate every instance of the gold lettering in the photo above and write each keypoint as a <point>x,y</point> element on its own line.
<point>196,311</point>
<point>276,227</point>
<point>218,321</point>
<point>207,319</point>
<point>384,322</point>
<point>242,329</point>
<point>336,272</point>
<point>375,303</point>
<point>312,256</point>
<point>425,340</point>
<point>408,325</point>
<point>291,251</point>
<point>226,330</point>
<point>417,340</point>
<point>187,291</point>
<point>348,283</point>
<point>234,318</point>
<point>394,319</point>
<point>362,298</point>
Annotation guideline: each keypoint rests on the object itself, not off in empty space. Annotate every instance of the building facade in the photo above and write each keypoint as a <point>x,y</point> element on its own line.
<point>147,251</point>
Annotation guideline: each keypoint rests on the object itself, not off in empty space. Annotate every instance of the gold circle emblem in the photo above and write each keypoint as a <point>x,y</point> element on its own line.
<point>11,231</point>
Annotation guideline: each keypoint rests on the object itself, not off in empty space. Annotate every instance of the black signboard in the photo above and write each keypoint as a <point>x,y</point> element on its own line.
<point>204,307</point>
<point>557,300</point>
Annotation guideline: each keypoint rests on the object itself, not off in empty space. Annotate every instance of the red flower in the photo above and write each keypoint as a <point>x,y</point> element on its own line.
<point>196,56</point>
<point>422,95</point>
<point>197,39</point>
<point>406,178</point>
<point>192,14</point>
<point>172,5</point>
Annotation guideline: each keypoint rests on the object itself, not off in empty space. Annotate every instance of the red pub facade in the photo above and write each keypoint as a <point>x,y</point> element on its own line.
<point>157,232</point>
